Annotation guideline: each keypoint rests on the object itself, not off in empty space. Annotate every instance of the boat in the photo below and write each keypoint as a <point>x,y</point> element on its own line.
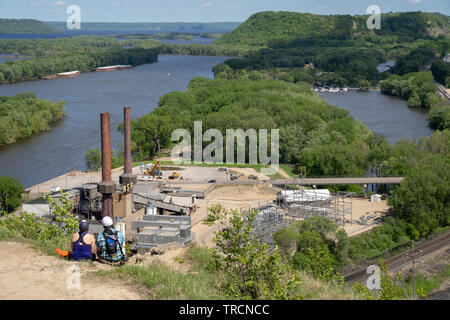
<point>49,77</point>
<point>69,74</point>
<point>113,68</point>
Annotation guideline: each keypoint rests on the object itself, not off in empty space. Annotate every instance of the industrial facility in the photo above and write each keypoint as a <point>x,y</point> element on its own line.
<point>156,206</point>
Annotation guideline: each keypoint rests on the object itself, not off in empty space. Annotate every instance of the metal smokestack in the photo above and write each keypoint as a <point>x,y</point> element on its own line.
<point>127,140</point>
<point>106,187</point>
<point>106,146</point>
<point>127,179</point>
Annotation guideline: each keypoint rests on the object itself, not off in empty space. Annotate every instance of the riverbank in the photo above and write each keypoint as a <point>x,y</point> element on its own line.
<point>55,152</point>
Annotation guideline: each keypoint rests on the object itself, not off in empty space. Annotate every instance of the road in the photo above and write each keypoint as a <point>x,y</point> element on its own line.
<point>305,181</point>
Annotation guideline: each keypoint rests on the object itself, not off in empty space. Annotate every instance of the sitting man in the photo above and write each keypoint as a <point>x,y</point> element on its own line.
<point>110,244</point>
<point>83,243</point>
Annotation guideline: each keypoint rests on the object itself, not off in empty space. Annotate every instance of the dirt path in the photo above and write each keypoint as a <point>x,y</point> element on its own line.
<point>283,173</point>
<point>29,274</point>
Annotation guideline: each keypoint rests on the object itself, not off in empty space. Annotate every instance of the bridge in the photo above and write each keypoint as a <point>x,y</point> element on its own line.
<point>305,181</point>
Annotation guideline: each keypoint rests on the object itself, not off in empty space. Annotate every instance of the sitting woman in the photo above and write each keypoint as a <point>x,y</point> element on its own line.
<point>83,243</point>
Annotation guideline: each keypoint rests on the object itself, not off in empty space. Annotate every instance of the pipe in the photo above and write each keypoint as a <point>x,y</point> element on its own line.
<point>127,140</point>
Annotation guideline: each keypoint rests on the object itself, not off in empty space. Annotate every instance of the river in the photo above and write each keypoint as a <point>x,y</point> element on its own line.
<point>383,114</point>
<point>55,152</point>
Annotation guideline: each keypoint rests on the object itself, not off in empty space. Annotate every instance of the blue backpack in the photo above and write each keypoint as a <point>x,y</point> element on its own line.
<point>111,239</point>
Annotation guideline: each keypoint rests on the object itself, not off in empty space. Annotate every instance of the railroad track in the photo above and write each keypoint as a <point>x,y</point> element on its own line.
<point>443,92</point>
<point>402,259</point>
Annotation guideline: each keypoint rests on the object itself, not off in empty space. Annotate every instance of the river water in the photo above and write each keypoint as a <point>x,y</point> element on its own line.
<point>383,114</point>
<point>55,152</point>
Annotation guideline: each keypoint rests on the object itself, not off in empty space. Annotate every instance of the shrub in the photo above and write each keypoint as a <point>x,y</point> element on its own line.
<point>250,270</point>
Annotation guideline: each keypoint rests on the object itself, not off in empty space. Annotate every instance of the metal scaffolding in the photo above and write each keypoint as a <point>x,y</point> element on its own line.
<point>295,205</point>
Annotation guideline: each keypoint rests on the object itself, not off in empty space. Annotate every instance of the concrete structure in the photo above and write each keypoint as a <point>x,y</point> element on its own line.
<point>127,178</point>
<point>38,206</point>
<point>181,199</point>
<point>155,230</point>
<point>122,204</point>
<point>182,204</point>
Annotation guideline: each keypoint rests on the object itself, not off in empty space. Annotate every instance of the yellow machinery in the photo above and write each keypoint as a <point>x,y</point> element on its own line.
<point>174,176</point>
<point>154,171</point>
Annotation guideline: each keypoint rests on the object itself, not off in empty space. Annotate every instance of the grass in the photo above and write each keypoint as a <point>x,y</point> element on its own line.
<point>163,282</point>
<point>166,283</point>
<point>45,246</point>
<point>425,284</point>
<point>201,281</point>
<point>289,170</point>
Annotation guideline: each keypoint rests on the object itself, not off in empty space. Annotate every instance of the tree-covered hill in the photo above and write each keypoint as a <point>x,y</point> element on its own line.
<point>265,28</point>
<point>325,138</point>
<point>24,26</point>
<point>23,116</point>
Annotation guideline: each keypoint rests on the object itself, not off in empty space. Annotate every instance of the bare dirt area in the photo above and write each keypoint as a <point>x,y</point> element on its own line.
<point>231,197</point>
<point>27,274</point>
<point>364,207</point>
<point>250,171</point>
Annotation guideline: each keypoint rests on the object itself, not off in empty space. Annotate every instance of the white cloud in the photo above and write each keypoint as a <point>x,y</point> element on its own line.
<point>233,6</point>
<point>39,3</point>
<point>59,3</point>
<point>206,4</point>
<point>415,1</point>
<point>320,6</point>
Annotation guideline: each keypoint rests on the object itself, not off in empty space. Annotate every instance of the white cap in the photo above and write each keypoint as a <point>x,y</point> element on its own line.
<point>107,221</point>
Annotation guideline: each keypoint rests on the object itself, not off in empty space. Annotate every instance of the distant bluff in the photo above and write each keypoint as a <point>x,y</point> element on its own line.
<point>263,28</point>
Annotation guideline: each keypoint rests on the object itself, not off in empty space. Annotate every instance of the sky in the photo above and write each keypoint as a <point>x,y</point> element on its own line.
<point>199,10</point>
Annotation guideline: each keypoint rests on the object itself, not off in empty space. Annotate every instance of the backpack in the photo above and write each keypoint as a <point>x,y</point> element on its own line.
<point>111,239</point>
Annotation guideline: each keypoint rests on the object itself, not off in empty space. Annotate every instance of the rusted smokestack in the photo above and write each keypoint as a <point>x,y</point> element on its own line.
<point>106,146</point>
<point>106,187</point>
<point>127,179</point>
<point>127,139</point>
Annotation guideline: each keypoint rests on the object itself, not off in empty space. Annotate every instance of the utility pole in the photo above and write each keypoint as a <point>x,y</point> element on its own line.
<point>413,256</point>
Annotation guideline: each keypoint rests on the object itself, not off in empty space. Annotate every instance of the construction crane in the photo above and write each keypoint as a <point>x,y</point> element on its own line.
<point>154,171</point>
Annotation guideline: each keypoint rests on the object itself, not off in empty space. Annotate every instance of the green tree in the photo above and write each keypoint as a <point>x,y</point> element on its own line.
<point>389,286</point>
<point>29,226</point>
<point>414,100</point>
<point>11,191</point>
<point>93,159</point>
<point>249,269</point>
<point>423,197</point>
